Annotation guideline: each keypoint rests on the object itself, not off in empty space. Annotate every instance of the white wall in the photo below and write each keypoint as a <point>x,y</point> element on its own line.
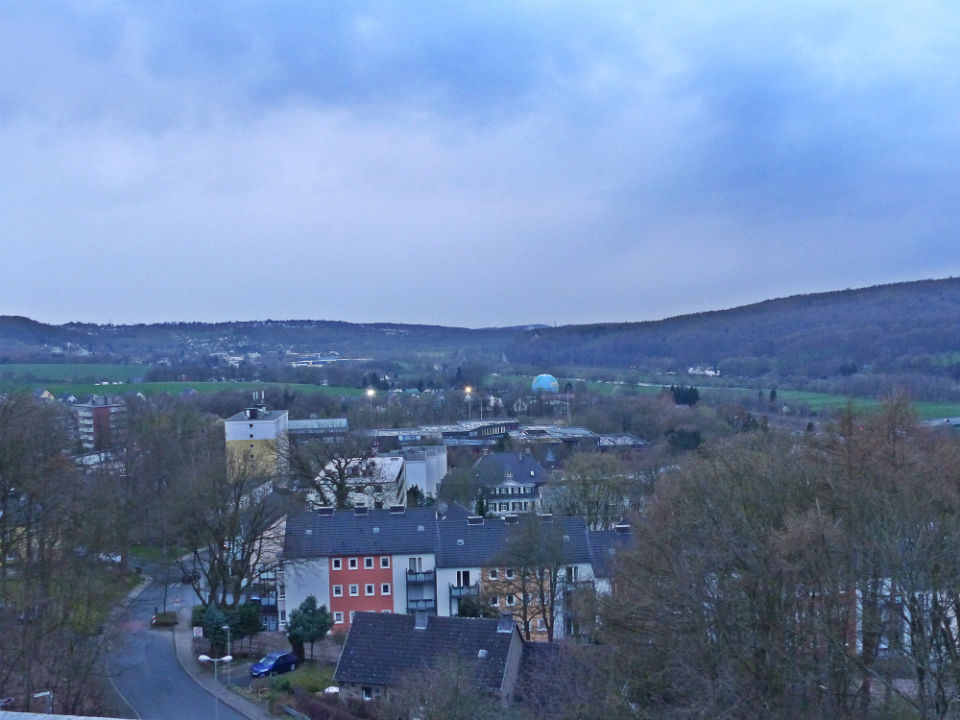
<point>307,577</point>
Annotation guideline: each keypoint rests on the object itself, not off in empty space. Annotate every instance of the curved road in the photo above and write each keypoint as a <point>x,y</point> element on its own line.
<point>144,670</point>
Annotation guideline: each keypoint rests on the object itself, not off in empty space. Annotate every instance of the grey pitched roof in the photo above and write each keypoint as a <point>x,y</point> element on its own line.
<point>522,465</point>
<point>381,648</point>
<point>343,532</point>
<point>604,547</point>
<point>464,545</point>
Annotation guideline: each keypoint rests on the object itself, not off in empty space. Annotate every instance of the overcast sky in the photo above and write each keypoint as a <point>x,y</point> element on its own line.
<point>473,164</point>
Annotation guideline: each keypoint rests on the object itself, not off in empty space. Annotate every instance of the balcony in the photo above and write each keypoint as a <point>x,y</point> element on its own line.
<point>461,591</point>
<point>422,605</point>
<point>415,577</point>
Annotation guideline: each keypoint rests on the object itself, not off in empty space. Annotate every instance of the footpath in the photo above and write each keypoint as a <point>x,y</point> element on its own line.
<point>183,641</point>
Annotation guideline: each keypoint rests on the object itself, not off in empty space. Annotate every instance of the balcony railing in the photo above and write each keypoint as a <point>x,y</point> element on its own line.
<point>459,591</point>
<point>420,576</point>
<point>424,604</point>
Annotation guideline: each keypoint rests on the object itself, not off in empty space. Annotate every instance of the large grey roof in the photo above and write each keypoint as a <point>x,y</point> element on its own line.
<point>381,648</point>
<point>521,465</point>
<point>455,541</point>
<point>312,534</point>
<point>465,545</point>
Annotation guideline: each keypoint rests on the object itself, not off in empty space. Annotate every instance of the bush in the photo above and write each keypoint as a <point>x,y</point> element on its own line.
<point>165,619</point>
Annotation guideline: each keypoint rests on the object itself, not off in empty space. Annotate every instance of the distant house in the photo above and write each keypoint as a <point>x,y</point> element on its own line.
<point>510,481</point>
<point>383,649</point>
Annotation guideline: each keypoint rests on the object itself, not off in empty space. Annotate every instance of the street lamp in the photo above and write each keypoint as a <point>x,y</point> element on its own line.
<point>216,689</point>
<point>229,654</point>
<point>48,695</point>
<point>468,390</point>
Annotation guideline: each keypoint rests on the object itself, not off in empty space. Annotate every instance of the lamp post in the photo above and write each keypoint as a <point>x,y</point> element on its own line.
<point>49,696</point>
<point>468,390</point>
<point>216,689</point>
<point>229,654</point>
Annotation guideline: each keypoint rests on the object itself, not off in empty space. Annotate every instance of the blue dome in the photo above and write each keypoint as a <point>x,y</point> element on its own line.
<point>545,383</point>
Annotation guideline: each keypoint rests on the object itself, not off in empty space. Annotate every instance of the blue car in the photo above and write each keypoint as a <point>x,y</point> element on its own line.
<point>274,664</point>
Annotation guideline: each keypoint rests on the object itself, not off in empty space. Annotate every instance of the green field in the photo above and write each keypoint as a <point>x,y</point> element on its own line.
<point>171,388</point>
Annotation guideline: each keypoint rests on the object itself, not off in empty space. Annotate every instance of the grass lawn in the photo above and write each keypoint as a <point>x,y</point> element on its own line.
<point>310,677</point>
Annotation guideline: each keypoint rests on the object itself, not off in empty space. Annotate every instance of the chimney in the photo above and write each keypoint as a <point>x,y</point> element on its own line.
<point>420,620</point>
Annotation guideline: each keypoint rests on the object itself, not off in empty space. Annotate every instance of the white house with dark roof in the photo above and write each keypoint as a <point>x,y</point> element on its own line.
<point>510,482</point>
<point>383,650</point>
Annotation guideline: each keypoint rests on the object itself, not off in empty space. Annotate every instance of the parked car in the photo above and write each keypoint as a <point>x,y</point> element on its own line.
<point>274,664</point>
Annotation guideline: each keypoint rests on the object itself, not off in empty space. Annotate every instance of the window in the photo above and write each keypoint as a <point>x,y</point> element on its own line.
<point>527,598</point>
<point>509,573</point>
<point>369,589</point>
<point>385,561</point>
<point>494,601</point>
<point>354,590</point>
<point>251,424</point>
<point>367,692</point>
<point>416,564</point>
<point>352,563</point>
<point>541,625</point>
<point>336,563</point>
<point>463,578</point>
<point>384,588</point>
<point>338,618</point>
<point>368,563</point>
<point>338,590</point>
<point>511,600</point>
<point>493,574</point>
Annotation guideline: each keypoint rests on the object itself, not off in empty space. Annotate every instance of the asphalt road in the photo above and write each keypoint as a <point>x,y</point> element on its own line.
<point>144,670</point>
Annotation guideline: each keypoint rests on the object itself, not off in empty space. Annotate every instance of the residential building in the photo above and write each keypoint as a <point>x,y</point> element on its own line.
<point>257,439</point>
<point>361,560</point>
<point>510,482</point>
<point>376,482</point>
<point>101,423</point>
<point>425,467</point>
<point>405,560</point>
<point>384,650</point>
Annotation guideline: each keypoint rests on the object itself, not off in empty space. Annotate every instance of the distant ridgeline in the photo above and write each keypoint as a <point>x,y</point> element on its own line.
<point>903,329</point>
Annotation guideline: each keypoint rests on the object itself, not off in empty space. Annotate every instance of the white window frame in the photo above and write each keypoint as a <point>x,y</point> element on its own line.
<point>369,589</point>
<point>509,573</point>
<point>337,564</point>
<point>338,618</point>
<point>511,599</point>
<point>368,563</point>
<point>384,588</point>
<point>338,590</point>
<point>354,590</point>
<point>384,562</point>
<point>353,563</point>
<point>494,601</point>
<point>492,574</point>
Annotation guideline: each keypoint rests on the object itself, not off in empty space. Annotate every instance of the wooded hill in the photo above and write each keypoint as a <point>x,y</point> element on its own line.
<point>905,328</point>
<point>901,328</point>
